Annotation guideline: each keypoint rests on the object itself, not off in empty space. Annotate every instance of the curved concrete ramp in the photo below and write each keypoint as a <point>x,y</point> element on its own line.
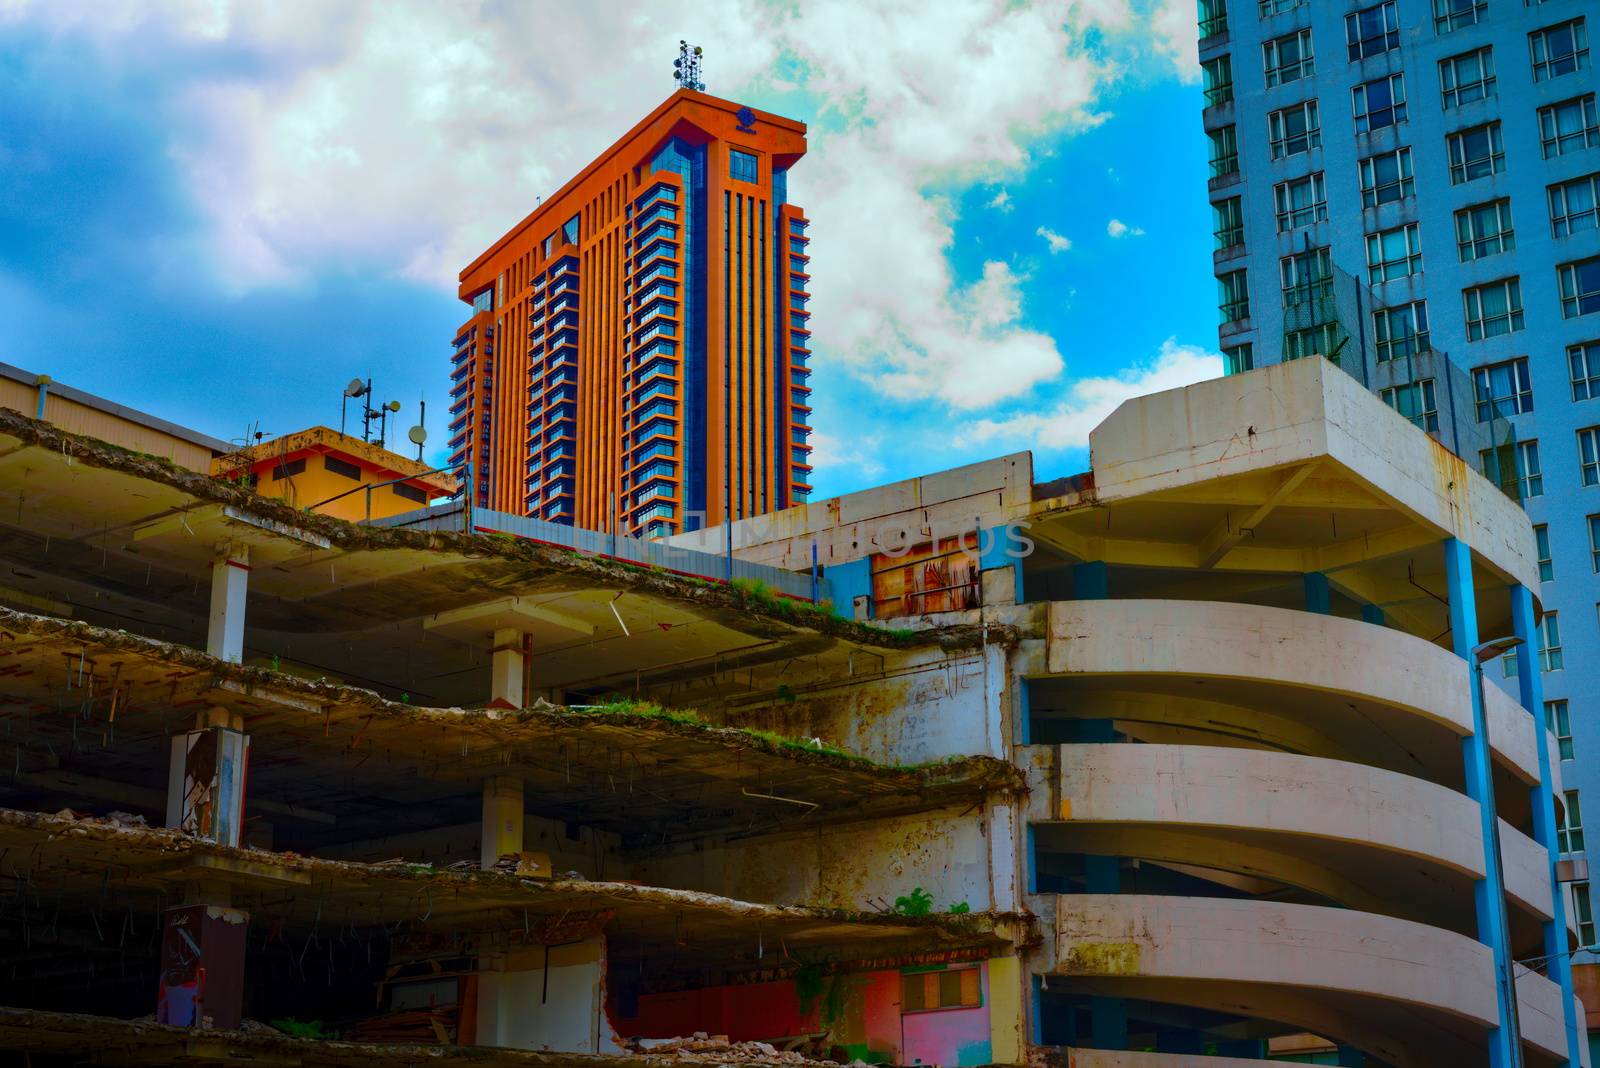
<point>1411,994</point>
<point>1368,838</point>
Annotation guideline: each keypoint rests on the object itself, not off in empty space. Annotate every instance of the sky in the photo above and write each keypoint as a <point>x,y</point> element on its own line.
<point>220,213</point>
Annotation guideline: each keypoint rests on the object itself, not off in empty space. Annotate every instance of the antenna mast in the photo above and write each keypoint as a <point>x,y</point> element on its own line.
<point>686,68</point>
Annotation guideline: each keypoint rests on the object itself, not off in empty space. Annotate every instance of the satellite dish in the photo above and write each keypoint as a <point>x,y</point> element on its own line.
<point>355,388</point>
<point>393,406</point>
<point>418,434</point>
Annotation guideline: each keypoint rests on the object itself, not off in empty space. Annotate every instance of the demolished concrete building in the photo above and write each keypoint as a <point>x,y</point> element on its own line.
<point>1177,761</point>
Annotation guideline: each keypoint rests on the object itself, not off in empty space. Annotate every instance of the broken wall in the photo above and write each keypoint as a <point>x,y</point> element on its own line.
<point>589,852</point>
<point>886,1016</point>
<point>896,708</point>
<point>849,867</point>
<point>546,998</point>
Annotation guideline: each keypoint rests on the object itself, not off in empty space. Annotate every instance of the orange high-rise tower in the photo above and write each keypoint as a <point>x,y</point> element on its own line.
<point>636,357</point>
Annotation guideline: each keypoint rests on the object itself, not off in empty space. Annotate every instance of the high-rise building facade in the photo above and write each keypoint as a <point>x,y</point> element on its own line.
<point>637,353</point>
<point>1397,181</point>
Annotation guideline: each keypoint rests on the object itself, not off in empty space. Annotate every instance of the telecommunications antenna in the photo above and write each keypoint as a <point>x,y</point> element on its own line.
<point>686,68</point>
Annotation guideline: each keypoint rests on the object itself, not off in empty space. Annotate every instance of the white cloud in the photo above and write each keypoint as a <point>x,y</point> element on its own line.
<point>1175,32</point>
<point>1117,228</point>
<point>411,135</point>
<point>1001,201</point>
<point>859,453</point>
<point>1057,242</point>
<point>1090,400</point>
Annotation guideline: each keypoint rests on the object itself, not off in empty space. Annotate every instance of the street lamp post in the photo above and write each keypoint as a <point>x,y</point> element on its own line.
<point>1481,653</point>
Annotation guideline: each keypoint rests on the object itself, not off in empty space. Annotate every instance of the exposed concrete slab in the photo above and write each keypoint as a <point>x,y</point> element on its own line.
<point>631,767</point>
<point>100,1040</point>
<point>74,859</point>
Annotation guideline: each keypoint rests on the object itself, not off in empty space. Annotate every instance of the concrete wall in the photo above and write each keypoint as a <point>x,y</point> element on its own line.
<point>79,413</point>
<point>968,498</point>
<point>850,867</point>
<point>520,1007</point>
<point>898,708</point>
<point>593,854</point>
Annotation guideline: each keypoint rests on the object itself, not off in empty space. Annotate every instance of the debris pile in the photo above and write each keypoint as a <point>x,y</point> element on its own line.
<point>420,1027</point>
<point>718,1049</point>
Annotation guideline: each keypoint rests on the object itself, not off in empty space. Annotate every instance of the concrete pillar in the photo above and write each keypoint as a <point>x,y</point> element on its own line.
<point>506,670</point>
<point>230,579</point>
<point>501,832</point>
<point>1091,581</point>
<point>206,778</point>
<point>1488,893</point>
<point>1319,599</point>
<point>999,549</point>
<point>201,983</point>
<point>1531,692</point>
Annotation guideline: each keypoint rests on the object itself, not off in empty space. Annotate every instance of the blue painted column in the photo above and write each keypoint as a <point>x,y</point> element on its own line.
<point>1091,581</point>
<point>1001,547</point>
<point>1318,596</point>
<point>1108,1016</point>
<point>1488,893</point>
<point>1531,691</point>
<point>1371,613</point>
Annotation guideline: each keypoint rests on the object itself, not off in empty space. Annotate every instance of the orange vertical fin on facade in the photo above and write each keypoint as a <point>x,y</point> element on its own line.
<point>633,347</point>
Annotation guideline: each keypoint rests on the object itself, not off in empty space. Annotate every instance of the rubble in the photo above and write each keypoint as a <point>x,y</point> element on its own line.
<point>717,1049</point>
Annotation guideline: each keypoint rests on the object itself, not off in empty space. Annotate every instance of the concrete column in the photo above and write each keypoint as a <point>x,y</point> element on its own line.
<point>230,578</point>
<point>1488,893</point>
<point>507,668</point>
<point>999,549</point>
<point>206,778</point>
<point>502,820</point>
<point>1319,599</point>
<point>1531,691</point>
<point>201,981</point>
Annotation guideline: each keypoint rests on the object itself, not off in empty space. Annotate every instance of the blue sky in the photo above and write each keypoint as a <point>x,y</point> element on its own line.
<point>221,214</point>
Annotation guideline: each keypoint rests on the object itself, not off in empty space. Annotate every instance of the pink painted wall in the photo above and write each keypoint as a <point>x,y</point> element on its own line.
<point>751,1011</point>
<point>953,1038</point>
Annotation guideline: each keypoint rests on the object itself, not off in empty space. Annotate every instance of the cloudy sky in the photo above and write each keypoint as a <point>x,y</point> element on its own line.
<point>222,212</point>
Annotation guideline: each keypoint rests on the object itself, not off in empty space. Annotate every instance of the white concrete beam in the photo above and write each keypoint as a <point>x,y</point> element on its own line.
<point>1233,529</point>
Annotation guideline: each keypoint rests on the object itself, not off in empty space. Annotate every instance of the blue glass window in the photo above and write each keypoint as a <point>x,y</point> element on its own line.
<point>743,166</point>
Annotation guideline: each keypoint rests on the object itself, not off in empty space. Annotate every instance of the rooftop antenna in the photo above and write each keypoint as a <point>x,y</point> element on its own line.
<point>686,68</point>
<point>356,388</point>
<point>419,433</point>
